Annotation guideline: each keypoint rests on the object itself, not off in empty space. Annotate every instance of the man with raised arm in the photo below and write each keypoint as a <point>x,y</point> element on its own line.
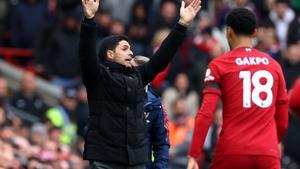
<point>116,136</point>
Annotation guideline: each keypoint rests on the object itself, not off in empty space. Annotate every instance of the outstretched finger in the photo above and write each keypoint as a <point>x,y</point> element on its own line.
<point>182,5</point>
<point>196,3</point>
<point>198,8</point>
<point>192,4</point>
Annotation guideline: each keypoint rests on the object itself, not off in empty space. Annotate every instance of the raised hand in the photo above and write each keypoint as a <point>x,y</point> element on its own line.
<point>187,14</point>
<point>90,8</point>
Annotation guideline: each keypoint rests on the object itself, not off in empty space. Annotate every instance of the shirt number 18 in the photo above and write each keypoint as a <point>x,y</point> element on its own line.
<point>259,87</point>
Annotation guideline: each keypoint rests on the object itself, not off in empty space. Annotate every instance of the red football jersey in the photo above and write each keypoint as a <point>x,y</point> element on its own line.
<point>251,84</point>
<point>294,100</point>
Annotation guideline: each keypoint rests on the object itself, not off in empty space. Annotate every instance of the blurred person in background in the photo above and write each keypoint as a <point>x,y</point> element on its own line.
<point>181,131</point>
<point>44,39</point>
<point>217,10</point>
<point>282,15</point>
<point>291,63</point>
<point>204,27</point>
<point>166,17</point>
<point>121,9</point>
<point>82,111</point>
<point>117,27</point>
<point>294,29</point>
<point>21,150</point>
<point>247,4</point>
<point>12,148</point>
<point>27,99</point>
<point>159,83</point>
<point>61,61</point>
<point>137,30</point>
<point>34,163</point>
<point>6,133</point>
<point>6,155</point>
<point>49,151</point>
<point>264,7</point>
<point>17,124</point>
<point>104,20</point>
<point>268,41</point>
<point>203,48</point>
<point>138,15</point>
<point>181,89</point>
<point>28,19</point>
<point>198,49</point>
<point>38,134</point>
<point>64,116</point>
<point>54,134</point>
<point>190,55</point>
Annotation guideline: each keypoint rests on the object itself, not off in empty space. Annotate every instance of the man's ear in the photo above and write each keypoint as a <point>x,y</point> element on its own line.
<point>110,54</point>
<point>229,31</point>
<point>254,33</point>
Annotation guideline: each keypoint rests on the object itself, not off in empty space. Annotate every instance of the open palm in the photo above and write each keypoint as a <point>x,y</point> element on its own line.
<point>187,14</point>
<point>90,7</point>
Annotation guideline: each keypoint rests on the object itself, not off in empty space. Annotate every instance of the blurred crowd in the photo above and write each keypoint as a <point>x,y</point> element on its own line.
<point>51,136</point>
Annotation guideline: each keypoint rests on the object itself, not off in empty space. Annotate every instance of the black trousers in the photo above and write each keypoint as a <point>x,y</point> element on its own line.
<point>105,165</point>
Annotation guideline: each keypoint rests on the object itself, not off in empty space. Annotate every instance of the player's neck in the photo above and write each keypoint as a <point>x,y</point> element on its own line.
<point>241,41</point>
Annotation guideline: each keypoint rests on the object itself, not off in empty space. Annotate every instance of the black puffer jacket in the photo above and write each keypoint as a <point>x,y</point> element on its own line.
<point>117,127</point>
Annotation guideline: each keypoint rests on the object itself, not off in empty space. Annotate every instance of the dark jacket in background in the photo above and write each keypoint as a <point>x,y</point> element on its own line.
<point>33,105</point>
<point>157,132</point>
<point>27,21</point>
<point>61,55</point>
<point>117,125</point>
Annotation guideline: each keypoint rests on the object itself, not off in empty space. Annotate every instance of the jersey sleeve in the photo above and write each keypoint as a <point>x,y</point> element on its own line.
<point>294,100</point>
<point>212,79</point>
<point>203,120</point>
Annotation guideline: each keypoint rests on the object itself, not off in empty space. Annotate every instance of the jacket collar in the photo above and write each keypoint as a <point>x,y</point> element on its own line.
<point>116,67</point>
<point>152,100</point>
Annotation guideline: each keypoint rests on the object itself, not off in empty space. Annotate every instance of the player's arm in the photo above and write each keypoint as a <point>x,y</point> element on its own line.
<point>203,120</point>
<point>281,114</point>
<point>294,101</point>
<point>87,44</point>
